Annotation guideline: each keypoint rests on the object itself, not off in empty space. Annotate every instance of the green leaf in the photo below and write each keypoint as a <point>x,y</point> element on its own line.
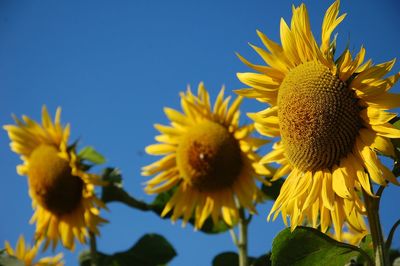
<point>112,175</point>
<point>153,249</point>
<point>308,246</point>
<point>272,192</point>
<point>232,259</point>
<point>264,260</point>
<point>7,260</point>
<point>90,154</point>
<point>226,259</point>
<point>150,250</point>
<point>366,245</point>
<point>394,257</point>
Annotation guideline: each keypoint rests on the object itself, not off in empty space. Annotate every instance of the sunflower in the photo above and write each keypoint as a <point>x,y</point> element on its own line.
<point>62,193</point>
<point>209,160</point>
<point>331,119</point>
<point>27,254</point>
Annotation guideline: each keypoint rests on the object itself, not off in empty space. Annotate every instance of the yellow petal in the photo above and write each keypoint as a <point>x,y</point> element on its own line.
<point>372,139</point>
<point>327,194</point>
<point>176,116</point>
<point>258,81</point>
<point>160,149</point>
<point>383,101</point>
<point>376,116</point>
<point>339,183</point>
<point>386,130</point>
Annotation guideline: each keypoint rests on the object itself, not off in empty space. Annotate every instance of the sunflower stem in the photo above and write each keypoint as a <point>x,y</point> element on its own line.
<point>242,241</point>
<point>372,206</point>
<point>93,249</point>
<point>233,236</point>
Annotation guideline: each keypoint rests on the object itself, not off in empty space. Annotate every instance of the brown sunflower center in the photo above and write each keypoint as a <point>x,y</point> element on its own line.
<point>51,181</point>
<point>319,117</point>
<point>209,157</point>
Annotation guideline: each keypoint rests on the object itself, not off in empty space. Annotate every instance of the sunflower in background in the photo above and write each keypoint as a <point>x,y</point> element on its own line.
<point>332,120</point>
<point>27,254</point>
<point>62,194</point>
<point>208,158</point>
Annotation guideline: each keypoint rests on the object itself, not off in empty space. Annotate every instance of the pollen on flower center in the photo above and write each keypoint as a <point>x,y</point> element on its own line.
<point>318,117</point>
<point>51,181</point>
<point>209,157</point>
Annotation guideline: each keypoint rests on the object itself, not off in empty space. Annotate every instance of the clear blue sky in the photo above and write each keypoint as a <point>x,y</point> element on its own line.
<point>114,65</point>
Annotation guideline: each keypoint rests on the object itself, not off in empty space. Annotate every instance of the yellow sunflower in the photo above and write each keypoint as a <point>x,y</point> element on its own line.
<point>331,118</point>
<point>208,158</point>
<point>62,194</point>
<point>27,254</point>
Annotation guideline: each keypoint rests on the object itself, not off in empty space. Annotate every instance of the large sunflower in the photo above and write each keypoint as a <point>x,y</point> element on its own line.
<point>331,118</point>
<point>62,194</point>
<point>208,158</point>
<point>27,254</point>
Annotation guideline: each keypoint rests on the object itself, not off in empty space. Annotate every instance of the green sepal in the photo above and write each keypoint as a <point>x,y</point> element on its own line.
<point>89,154</point>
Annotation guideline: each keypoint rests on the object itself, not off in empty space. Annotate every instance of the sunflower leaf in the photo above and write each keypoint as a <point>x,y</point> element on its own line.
<point>367,246</point>
<point>8,260</point>
<point>226,259</point>
<point>394,257</point>
<point>232,259</point>
<point>88,153</point>
<point>308,246</point>
<point>150,250</point>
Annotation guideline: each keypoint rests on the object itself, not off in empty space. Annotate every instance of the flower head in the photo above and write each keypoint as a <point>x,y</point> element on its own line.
<point>208,158</point>
<point>62,193</point>
<point>27,254</point>
<point>331,118</point>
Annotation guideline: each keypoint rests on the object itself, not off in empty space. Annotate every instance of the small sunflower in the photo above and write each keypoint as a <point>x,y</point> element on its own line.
<point>62,193</point>
<point>331,118</point>
<point>208,158</point>
<point>27,254</point>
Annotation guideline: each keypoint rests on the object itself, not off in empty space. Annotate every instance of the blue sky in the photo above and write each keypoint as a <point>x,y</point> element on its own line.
<point>113,65</point>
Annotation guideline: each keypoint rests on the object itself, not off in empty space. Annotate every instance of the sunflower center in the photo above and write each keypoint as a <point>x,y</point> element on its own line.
<point>319,117</point>
<point>209,157</point>
<point>51,181</point>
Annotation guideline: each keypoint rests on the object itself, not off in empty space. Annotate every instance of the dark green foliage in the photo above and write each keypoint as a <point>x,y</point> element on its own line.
<point>307,246</point>
<point>232,259</point>
<point>150,250</point>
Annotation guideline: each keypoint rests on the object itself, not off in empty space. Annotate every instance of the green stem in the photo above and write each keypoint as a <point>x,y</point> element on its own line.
<point>93,249</point>
<point>372,206</point>
<point>242,241</point>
